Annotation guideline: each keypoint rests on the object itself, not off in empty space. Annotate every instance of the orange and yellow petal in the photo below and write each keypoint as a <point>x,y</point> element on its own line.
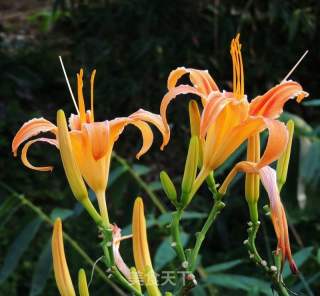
<point>169,96</point>
<point>277,141</point>
<point>152,118</point>
<point>200,79</point>
<point>24,152</point>
<point>98,137</point>
<point>60,267</point>
<point>232,140</point>
<point>30,129</point>
<point>271,103</point>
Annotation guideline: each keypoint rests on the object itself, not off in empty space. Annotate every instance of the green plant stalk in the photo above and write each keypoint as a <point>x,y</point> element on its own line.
<point>155,199</point>
<point>216,209</point>
<point>175,232</point>
<point>68,238</point>
<point>274,275</point>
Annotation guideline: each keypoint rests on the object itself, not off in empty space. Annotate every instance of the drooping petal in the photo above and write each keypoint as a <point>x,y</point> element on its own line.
<point>98,137</point>
<point>153,118</point>
<point>271,103</point>
<point>169,96</point>
<point>60,267</point>
<point>30,129</point>
<point>277,141</point>
<point>24,152</point>
<point>118,124</point>
<point>278,215</point>
<point>122,266</point>
<point>200,79</point>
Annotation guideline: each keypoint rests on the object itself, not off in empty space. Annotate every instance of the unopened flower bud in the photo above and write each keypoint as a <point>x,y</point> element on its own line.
<point>190,170</point>
<point>283,162</point>
<point>134,279</point>
<point>82,283</point>
<point>168,187</point>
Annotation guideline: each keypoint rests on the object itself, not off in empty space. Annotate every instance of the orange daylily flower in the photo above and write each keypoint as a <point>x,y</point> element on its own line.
<point>227,120</point>
<point>92,142</point>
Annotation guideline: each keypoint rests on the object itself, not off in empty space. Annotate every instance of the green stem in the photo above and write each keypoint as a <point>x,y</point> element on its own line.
<point>216,209</point>
<point>175,230</point>
<point>68,238</point>
<point>155,199</point>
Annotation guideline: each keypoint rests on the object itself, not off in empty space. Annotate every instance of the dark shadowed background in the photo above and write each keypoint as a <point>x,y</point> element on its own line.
<point>134,45</point>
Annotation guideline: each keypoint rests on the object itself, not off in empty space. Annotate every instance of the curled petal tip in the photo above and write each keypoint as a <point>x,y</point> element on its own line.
<point>293,267</point>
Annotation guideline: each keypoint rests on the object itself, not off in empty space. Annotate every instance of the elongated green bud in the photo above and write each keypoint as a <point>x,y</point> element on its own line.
<point>168,187</point>
<point>134,278</point>
<point>82,283</point>
<point>194,117</point>
<point>283,162</point>
<point>69,163</point>
<point>150,281</point>
<point>190,170</point>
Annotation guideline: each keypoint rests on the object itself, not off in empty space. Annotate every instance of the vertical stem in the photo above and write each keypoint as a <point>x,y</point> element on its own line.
<point>101,197</point>
<point>217,207</point>
<point>175,230</point>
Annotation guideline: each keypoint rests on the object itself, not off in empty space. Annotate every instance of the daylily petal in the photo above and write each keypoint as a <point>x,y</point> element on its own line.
<point>98,137</point>
<point>30,129</point>
<point>278,216</point>
<point>201,79</point>
<point>216,103</point>
<point>277,141</point>
<point>231,142</point>
<point>169,96</point>
<point>271,103</point>
<point>95,172</point>
<point>24,152</point>
<point>60,267</point>
<point>122,266</point>
<point>147,136</point>
<point>153,118</point>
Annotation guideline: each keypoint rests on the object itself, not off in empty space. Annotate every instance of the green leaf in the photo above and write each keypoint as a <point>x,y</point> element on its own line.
<point>300,257</point>
<point>60,213</point>
<point>18,247</point>
<point>141,169</point>
<point>199,291</point>
<point>223,266</point>
<point>165,253</point>
<point>315,102</point>
<point>233,281</point>
<point>42,271</point>
<point>8,207</point>
<point>115,174</point>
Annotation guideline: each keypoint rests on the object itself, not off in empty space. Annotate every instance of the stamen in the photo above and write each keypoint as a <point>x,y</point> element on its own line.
<point>92,87</point>
<point>82,107</point>
<point>237,65</point>
<point>70,89</point>
<point>295,66</point>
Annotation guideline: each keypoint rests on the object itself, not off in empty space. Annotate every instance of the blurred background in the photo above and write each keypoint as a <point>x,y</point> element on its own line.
<point>134,45</point>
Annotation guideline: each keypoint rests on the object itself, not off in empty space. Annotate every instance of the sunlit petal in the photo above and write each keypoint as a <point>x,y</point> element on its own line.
<point>24,152</point>
<point>98,137</point>
<point>153,118</point>
<point>200,79</point>
<point>30,129</point>
<point>271,103</point>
